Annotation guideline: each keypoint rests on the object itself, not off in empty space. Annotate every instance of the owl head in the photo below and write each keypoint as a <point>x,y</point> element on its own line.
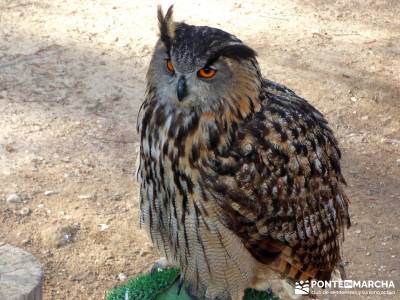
<point>202,68</point>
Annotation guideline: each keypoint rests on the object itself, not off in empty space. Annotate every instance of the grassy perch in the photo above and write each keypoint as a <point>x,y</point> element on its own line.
<point>163,285</point>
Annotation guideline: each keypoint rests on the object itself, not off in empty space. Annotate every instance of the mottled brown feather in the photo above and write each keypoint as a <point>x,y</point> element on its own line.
<point>241,184</point>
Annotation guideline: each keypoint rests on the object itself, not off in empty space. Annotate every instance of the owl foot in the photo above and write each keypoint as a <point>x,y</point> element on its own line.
<point>269,291</point>
<point>180,284</point>
<point>159,264</point>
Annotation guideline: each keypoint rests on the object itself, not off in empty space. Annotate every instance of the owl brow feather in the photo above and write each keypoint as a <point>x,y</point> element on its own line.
<point>166,25</point>
<point>236,51</point>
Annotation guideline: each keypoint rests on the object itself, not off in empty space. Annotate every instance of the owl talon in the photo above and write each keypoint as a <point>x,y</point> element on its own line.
<point>180,284</point>
<point>269,291</point>
<point>158,265</point>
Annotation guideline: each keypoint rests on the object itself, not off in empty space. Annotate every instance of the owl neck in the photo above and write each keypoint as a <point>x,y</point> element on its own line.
<point>193,134</point>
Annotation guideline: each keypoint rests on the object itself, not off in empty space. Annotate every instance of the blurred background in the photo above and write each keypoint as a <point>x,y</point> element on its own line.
<point>72,77</point>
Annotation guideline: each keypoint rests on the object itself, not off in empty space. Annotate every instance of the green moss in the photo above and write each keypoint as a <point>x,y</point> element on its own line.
<point>162,285</point>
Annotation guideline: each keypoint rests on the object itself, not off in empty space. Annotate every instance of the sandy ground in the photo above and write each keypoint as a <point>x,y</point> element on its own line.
<point>72,79</point>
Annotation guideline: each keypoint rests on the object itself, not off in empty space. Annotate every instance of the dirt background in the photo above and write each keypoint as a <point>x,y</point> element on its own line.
<point>71,82</point>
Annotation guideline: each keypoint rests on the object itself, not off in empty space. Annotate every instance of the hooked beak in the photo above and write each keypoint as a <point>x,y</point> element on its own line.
<point>181,89</point>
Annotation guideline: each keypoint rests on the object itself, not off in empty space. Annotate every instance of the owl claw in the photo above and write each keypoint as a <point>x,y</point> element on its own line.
<point>269,291</point>
<point>159,264</point>
<point>180,284</point>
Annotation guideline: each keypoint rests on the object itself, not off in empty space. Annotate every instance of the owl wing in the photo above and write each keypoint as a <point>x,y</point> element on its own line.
<point>283,195</point>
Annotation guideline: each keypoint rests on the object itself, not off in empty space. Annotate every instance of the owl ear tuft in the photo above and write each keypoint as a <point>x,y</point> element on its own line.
<point>166,25</point>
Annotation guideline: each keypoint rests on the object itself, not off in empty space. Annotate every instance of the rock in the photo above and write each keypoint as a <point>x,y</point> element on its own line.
<point>357,231</point>
<point>14,198</point>
<point>122,277</point>
<point>59,235</point>
<point>116,197</point>
<point>368,254</point>
<point>9,148</point>
<point>88,196</point>
<point>21,274</point>
<point>26,242</point>
<point>79,276</point>
<point>26,211</point>
<point>49,193</point>
<point>387,238</point>
<point>47,253</point>
<point>103,227</point>
<point>66,159</point>
<point>354,99</point>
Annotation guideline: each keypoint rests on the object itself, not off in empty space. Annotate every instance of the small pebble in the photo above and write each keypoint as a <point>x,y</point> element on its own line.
<point>13,198</point>
<point>85,196</point>
<point>122,277</point>
<point>79,276</point>
<point>26,211</point>
<point>387,238</point>
<point>49,193</point>
<point>116,197</point>
<point>9,148</point>
<point>368,254</point>
<point>357,231</point>
<point>354,99</point>
<point>103,227</point>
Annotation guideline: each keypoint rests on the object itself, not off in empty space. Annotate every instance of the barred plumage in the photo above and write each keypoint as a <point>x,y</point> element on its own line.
<point>240,177</point>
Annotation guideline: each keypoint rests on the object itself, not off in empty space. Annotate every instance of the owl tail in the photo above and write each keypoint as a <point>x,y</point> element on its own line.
<point>294,271</point>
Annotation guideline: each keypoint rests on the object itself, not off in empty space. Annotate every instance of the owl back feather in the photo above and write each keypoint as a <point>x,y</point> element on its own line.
<point>285,197</point>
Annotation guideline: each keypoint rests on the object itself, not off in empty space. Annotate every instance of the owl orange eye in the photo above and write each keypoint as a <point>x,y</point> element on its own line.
<point>170,66</point>
<point>206,73</point>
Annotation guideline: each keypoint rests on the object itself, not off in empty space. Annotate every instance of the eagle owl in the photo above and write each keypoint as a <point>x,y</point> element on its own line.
<point>240,179</point>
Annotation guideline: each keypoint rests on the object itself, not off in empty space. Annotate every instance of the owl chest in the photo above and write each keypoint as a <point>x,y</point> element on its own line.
<point>166,187</point>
